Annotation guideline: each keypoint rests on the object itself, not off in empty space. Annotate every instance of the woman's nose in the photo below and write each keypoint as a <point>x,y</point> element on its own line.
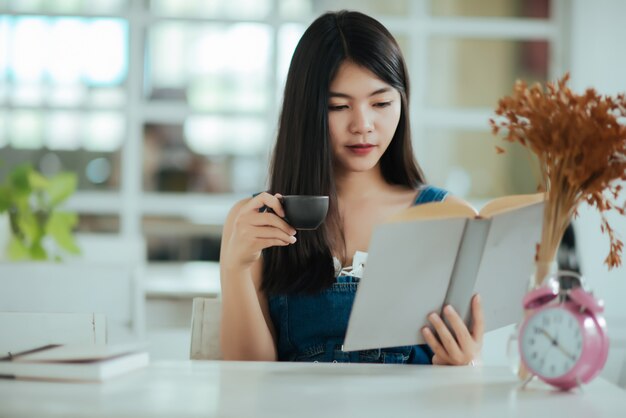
<point>361,121</point>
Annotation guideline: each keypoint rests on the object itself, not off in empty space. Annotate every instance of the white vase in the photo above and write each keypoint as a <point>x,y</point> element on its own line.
<point>543,270</point>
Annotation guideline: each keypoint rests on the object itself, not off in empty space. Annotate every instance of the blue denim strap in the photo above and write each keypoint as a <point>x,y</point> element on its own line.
<point>430,194</point>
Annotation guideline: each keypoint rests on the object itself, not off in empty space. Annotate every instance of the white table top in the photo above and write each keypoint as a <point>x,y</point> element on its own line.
<point>237,389</point>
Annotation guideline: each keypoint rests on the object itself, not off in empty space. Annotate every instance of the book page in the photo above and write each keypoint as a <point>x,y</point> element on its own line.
<point>435,210</point>
<point>507,203</point>
<point>507,264</point>
<point>406,278</point>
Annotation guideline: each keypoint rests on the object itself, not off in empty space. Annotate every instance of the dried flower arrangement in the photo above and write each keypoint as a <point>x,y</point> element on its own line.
<point>580,145</point>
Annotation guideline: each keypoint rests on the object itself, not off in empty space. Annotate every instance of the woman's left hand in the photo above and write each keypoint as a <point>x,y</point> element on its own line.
<point>457,346</point>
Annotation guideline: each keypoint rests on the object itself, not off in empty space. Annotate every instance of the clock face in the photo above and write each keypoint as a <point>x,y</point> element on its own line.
<point>552,342</point>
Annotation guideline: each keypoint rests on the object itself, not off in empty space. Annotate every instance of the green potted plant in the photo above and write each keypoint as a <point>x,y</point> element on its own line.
<point>38,229</point>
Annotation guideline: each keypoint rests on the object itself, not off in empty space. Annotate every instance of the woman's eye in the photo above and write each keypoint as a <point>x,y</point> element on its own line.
<point>337,107</point>
<point>382,104</point>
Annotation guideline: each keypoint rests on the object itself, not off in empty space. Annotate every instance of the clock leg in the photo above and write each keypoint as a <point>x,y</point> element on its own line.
<point>579,384</point>
<point>526,381</point>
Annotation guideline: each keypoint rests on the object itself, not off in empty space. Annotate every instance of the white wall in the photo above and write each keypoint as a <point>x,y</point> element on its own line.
<point>597,53</point>
<point>598,60</point>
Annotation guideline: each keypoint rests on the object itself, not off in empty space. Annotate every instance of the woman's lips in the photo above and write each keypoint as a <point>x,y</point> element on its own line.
<point>361,149</point>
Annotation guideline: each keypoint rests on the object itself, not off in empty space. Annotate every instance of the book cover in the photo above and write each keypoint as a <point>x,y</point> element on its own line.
<point>442,253</point>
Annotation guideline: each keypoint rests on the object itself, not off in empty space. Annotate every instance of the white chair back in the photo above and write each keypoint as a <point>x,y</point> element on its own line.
<point>205,329</point>
<point>111,289</point>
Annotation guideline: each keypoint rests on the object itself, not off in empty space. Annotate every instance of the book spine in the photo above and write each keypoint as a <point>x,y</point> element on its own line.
<point>469,256</point>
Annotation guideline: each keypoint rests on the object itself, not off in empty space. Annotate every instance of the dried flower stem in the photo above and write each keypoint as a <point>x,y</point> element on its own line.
<point>581,149</point>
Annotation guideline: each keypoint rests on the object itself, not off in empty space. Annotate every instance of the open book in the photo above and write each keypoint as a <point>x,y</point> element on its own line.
<point>74,362</point>
<point>442,253</point>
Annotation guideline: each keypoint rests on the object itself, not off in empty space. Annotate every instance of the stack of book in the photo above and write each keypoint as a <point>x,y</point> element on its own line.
<point>73,362</point>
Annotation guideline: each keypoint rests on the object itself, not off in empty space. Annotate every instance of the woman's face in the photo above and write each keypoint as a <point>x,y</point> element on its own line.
<point>363,114</point>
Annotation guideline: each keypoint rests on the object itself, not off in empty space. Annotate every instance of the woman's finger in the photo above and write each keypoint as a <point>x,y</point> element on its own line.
<point>446,338</point>
<point>435,345</point>
<point>269,232</point>
<point>266,200</point>
<point>268,219</point>
<point>463,337</point>
<point>478,321</point>
<point>263,243</point>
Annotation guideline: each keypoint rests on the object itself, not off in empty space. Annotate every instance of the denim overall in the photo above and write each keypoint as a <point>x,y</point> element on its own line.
<point>312,327</point>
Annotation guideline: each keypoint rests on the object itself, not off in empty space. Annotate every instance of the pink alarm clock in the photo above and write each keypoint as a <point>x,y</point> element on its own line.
<point>563,339</point>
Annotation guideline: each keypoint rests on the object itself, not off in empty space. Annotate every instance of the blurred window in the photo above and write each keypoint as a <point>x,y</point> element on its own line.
<point>478,72</point>
<point>63,61</point>
<point>474,168</point>
<point>235,9</point>
<point>210,67</point>
<point>62,87</point>
<point>167,109</point>
<point>206,155</point>
<point>491,8</point>
<point>64,6</point>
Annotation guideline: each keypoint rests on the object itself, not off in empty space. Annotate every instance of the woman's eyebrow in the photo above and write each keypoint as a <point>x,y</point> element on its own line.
<point>347,96</point>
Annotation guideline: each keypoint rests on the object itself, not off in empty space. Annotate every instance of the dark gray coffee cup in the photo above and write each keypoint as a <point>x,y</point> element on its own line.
<point>305,212</point>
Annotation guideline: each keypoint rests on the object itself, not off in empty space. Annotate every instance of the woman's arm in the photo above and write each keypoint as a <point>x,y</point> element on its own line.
<point>246,332</point>
<point>246,328</point>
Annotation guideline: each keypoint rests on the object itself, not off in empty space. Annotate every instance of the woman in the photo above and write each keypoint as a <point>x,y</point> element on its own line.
<point>344,132</point>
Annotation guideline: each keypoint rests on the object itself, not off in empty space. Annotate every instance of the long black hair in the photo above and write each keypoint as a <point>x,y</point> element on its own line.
<point>302,161</point>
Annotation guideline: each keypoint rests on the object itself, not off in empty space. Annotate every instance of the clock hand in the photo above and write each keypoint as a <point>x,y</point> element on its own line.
<point>571,356</point>
<point>555,342</point>
<point>544,332</point>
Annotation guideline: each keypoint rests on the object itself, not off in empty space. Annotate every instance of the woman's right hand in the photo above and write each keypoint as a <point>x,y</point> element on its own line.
<point>253,231</point>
